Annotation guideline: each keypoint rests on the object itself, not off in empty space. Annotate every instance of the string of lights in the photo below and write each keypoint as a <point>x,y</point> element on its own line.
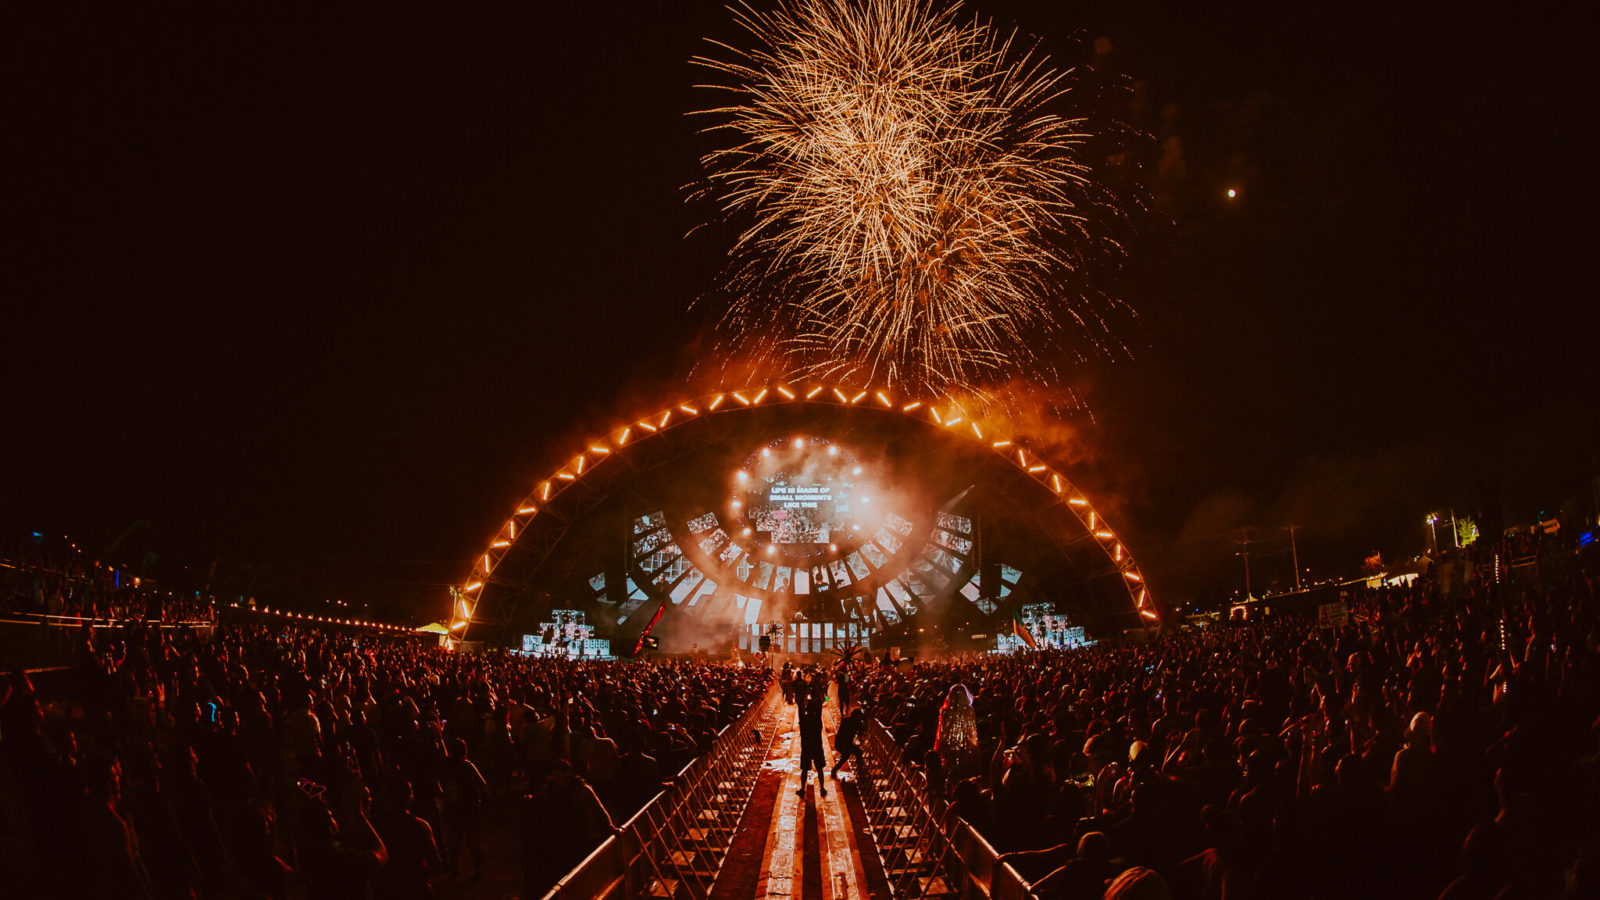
<point>323,620</point>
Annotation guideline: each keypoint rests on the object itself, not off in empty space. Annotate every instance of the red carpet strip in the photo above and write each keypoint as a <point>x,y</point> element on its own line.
<point>742,870</point>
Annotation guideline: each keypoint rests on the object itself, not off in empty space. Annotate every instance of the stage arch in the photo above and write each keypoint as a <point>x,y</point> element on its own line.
<point>507,572</point>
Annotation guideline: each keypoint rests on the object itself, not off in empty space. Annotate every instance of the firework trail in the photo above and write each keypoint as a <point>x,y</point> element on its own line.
<point>913,212</point>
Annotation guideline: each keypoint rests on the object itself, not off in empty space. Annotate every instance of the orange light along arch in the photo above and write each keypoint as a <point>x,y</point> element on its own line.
<point>947,415</point>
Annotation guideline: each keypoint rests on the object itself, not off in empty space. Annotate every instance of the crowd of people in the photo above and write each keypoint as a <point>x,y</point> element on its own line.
<point>1437,747</point>
<point>54,578</point>
<point>285,762</point>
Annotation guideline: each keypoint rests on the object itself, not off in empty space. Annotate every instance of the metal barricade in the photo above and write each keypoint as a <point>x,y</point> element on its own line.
<point>927,851</point>
<point>674,846</point>
<point>32,640</point>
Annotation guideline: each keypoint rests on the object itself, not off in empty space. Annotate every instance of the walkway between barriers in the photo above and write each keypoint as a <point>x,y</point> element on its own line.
<point>875,834</point>
<point>811,847</point>
<point>733,825</point>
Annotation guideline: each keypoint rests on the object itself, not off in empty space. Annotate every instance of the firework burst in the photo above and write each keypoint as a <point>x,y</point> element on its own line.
<point>913,211</point>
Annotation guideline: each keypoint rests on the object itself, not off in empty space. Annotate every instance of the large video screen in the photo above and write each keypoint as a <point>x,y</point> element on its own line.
<point>801,491</point>
<point>801,513</point>
<point>569,636</point>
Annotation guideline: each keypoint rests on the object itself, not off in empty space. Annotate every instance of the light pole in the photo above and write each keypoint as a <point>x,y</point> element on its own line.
<point>1433,529</point>
<point>1294,554</point>
<point>1244,540</point>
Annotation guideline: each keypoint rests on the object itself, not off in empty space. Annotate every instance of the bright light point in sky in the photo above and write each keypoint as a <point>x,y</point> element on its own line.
<point>856,471</point>
<point>832,451</point>
<point>799,442</point>
<point>743,474</point>
<point>1232,193</point>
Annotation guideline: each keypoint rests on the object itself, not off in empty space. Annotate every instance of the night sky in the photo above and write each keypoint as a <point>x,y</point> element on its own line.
<point>329,291</point>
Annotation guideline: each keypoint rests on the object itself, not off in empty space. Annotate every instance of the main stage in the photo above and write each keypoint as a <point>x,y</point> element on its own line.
<point>819,518</point>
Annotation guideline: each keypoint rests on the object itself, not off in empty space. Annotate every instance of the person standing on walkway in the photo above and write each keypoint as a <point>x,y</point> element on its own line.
<point>844,741</point>
<point>818,681</point>
<point>810,701</point>
<point>786,679</point>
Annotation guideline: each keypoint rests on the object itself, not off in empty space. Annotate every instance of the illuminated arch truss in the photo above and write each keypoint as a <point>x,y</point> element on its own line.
<point>539,521</point>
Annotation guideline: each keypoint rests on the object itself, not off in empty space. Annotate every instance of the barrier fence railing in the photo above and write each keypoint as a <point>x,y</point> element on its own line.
<point>29,640</point>
<point>60,621</point>
<point>927,851</point>
<point>674,846</point>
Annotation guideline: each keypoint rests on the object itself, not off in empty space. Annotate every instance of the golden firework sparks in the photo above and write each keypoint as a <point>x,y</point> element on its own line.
<point>913,211</point>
